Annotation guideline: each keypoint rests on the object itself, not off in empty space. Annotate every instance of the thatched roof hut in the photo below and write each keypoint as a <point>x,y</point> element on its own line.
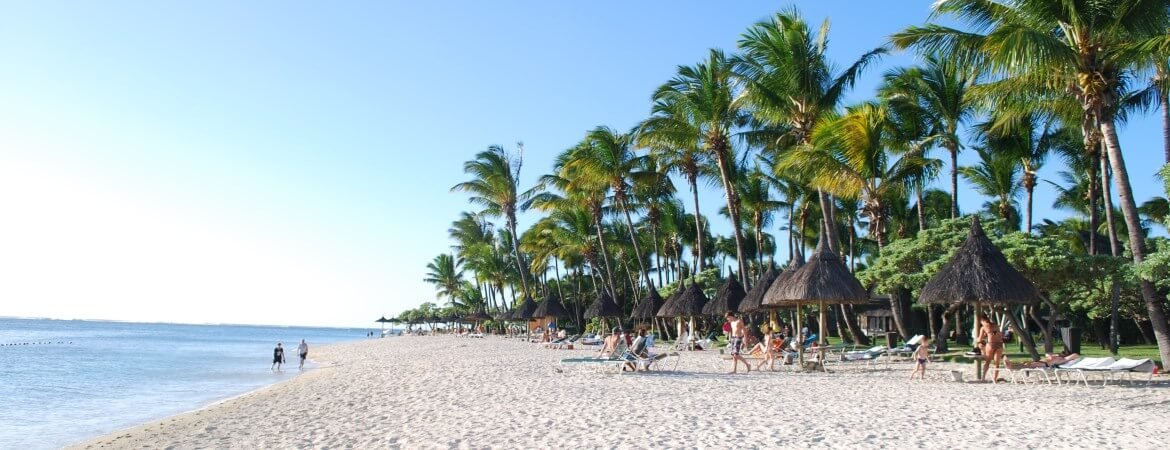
<point>755,296</point>
<point>477,316</point>
<point>550,307</point>
<point>603,306</point>
<point>727,299</point>
<point>689,303</point>
<point>505,316</point>
<point>824,279</point>
<point>979,273</point>
<point>668,305</point>
<point>648,307</point>
<point>772,299</point>
<point>525,310</point>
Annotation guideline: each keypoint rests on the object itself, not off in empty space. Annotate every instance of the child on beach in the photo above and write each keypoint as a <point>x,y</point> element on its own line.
<point>921,357</point>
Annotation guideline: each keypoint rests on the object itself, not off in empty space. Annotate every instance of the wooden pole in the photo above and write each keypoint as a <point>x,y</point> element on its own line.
<point>799,337</point>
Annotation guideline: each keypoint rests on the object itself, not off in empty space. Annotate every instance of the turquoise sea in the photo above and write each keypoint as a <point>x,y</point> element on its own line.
<point>64,381</point>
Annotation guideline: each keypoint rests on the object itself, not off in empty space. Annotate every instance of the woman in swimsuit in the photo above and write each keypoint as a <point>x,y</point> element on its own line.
<point>992,340</point>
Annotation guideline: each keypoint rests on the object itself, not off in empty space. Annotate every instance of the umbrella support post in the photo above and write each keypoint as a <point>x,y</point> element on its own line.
<point>799,338</point>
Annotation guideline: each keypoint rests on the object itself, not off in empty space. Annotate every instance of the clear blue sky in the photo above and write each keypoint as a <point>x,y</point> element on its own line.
<point>289,162</point>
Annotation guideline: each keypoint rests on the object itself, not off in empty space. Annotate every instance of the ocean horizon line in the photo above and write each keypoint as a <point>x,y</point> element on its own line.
<point>209,324</point>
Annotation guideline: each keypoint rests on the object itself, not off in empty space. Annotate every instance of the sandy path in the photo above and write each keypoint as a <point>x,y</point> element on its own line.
<point>445,392</point>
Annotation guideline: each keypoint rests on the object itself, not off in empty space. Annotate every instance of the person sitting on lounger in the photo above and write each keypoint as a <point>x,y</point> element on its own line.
<point>609,345</point>
<point>1050,360</point>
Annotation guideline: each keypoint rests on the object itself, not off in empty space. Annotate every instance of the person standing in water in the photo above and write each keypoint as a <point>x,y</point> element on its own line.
<point>277,357</point>
<point>303,351</point>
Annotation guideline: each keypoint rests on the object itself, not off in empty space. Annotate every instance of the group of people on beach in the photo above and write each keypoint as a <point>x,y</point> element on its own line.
<point>278,355</point>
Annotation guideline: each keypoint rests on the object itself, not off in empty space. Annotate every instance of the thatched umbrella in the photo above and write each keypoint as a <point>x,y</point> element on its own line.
<point>603,307</point>
<point>824,280</point>
<point>524,312</point>
<point>383,320</point>
<point>772,300</point>
<point>477,316</point>
<point>727,299</point>
<point>647,308</point>
<point>755,296</point>
<point>550,307</point>
<point>978,273</point>
<point>687,305</point>
<point>668,306</point>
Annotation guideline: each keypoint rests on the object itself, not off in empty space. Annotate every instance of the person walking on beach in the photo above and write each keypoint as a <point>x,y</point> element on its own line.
<point>992,341</point>
<point>277,357</point>
<point>303,352</point>
<point>735,342</point>
<point>921,357</point>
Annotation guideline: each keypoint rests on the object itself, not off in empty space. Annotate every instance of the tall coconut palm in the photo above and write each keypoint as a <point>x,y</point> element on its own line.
<point>607,157</point>
<point>495,187</point>
<point>790,83</point>
<point>939,89</point>
<point>997,175</point>
<point>445,274</point>
<point>587,194</point>
<point>850,158</point>
<point>703,95</point>
<point>760,206</point>
<point>653,193</point>
<point>674,141</point>
<point>1080,48</point>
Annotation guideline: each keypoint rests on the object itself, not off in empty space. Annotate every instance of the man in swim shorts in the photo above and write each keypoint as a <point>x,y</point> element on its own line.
<point>277,357</point>
<point>303,352</point>
<point>735,342</point>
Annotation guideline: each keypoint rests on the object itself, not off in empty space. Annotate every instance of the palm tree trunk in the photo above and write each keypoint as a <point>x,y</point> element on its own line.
<point>757,220</point>
<point>829,220</point>
<point>604,254</point>
<point>1136,240</point>
<point>954,151</point>
<point>657,252</point>
<point>1114,249</point>
<point>516,251</point>
<point>693,179</point>
<point>560,291</point>
<point>634,241</point>
<point>791,233</point>
<point>721,160</point>
<point>1028,209</point>
<point>1164,99</point>
<point>1024,336</point>
<point>921,209</point>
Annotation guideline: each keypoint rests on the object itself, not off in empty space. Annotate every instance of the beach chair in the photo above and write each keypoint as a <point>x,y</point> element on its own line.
<point>566,343</point>
<point>1084,367</point>
<point>1127,367</point>
<point>616,357</point>
<point>906,349</point>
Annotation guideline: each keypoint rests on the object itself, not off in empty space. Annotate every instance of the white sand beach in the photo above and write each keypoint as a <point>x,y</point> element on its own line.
<point>448,392</point>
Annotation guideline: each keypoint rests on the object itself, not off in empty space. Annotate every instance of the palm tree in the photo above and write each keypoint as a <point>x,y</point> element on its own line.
<point>938,91</point>
<point>703,95</point>
<point>1049,48</point>
<point>445,274</point>
<point>653,193</point>
<point>585,194</point>
<point>606,158</point>
<point>790,83</point>
<point>495,187</point>
<point>998,176</point>
<point>755,195</point>
<point>674,141</point>
<point>849,158</point>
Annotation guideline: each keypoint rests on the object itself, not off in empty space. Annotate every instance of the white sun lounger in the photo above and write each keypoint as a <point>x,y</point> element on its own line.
<point>1127,367</point>
<point>1084,367</point>
<point>1046,372</point>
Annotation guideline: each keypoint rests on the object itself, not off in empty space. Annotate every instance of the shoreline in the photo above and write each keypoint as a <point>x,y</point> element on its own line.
<point>449,392</point>
<point>145,426</point>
